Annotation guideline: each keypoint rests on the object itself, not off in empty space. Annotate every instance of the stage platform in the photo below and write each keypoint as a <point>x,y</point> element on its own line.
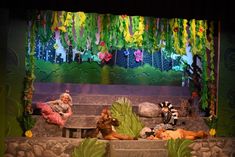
<point>63,147</point>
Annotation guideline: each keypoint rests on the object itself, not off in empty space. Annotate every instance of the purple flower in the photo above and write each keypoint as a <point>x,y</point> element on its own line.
<point>138,56</point>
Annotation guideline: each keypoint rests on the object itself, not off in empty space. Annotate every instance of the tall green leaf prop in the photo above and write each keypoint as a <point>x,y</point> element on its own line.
<point>90,147</point>
<point>130,123</point>
<point>179,147</point>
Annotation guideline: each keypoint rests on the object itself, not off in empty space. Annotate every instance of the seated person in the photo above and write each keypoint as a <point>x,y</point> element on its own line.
<point>105,127</point>
<point>169,113</point>
<point>179,133</point>
<point>57,111</point>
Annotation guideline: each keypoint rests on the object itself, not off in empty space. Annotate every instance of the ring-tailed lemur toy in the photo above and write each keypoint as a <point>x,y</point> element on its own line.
<point>168,113</point>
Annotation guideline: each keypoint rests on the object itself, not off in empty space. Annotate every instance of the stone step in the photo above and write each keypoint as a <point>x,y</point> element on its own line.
<point>138,152</point>
<point>64,147</point>
<point>109,99</point>
<point>138,144</point>
<point>139,147</point>
<point>89,109</point>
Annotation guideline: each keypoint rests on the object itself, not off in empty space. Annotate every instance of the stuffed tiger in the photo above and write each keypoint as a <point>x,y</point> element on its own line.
<point>168,113</point>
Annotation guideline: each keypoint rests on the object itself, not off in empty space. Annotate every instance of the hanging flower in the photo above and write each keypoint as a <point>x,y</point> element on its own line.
<point>101,55</point>
<point>104,56</point>
<point>108,56</point>
<point>201,29</point>
<point>28,133</point>
<point>43,22</point>
<point>176,29</point>
<point>138,56</point>
<point>56,46</point>
<point>102,43</point>
<point>123,16</point>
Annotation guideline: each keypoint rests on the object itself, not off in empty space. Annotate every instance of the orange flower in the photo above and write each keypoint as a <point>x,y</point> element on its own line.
<point>201,29</point>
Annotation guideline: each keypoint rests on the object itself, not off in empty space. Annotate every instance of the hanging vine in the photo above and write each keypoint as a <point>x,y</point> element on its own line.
<point>149,41</point>
<point>69,24</point>
<point>168,37</point>
<point>80,19</point>
<point>136,39</point>
<point>204,94</point>
<point>180,35</point>
<point>197,30</point>
<point>44,27</point>
<point>27,121</point>
<point>212,85</point>
<point>63,29</point>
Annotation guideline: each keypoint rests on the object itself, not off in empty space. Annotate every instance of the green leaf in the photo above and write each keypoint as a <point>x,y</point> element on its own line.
<point>179,147</point>
<point>90,147</point>
<point>130,124</point>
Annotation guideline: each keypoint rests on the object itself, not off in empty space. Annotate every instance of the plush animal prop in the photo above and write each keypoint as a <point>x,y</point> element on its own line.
<point>179,133</point>
<point>105,126</point>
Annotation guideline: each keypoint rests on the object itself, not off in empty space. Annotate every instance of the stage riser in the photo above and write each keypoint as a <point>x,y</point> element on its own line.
<point>43,129</point>
<point>63,147</point>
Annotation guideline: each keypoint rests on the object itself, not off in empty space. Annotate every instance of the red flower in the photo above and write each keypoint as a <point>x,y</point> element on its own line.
<point>43,22</point>
<point>123,16</point>
<point>56,28</point>
<point>194,94</point>
<point>102,43</point>
<point>201,29</point>
<point>176,29</point>
<point>108,56</point>
<point>147,27</point>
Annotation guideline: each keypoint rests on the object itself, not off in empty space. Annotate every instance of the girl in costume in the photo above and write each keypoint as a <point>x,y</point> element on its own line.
<point>57,111</point>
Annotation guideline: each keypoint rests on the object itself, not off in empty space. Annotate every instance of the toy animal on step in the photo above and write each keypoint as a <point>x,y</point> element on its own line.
<point>179,133</point>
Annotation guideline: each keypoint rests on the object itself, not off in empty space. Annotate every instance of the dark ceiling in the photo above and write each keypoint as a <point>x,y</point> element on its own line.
<point>200,9</point>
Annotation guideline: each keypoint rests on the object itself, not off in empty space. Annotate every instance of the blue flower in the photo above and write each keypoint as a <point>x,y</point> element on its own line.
<point>126,53</point>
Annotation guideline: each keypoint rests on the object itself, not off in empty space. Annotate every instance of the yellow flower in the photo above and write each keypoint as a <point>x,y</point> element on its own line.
<point>56,46</point>
<point>28,133</point>
<point>212,132</point>
<point>62,28</point>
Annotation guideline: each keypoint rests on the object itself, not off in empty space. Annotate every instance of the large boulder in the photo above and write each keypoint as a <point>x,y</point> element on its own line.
<point>147,109</point>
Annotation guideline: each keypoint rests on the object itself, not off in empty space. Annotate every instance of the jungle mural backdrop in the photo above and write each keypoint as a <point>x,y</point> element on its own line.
<point>78,47</point>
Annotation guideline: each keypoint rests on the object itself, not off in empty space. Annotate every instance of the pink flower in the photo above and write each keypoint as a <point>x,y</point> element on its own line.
<point>104,56</point>
<point>101,55</point>
<point>138,56</point>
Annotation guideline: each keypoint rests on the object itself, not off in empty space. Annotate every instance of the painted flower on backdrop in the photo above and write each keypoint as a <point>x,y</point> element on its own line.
<point>104,56</point>
<point>138,56</point>
<point>126,53</point>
